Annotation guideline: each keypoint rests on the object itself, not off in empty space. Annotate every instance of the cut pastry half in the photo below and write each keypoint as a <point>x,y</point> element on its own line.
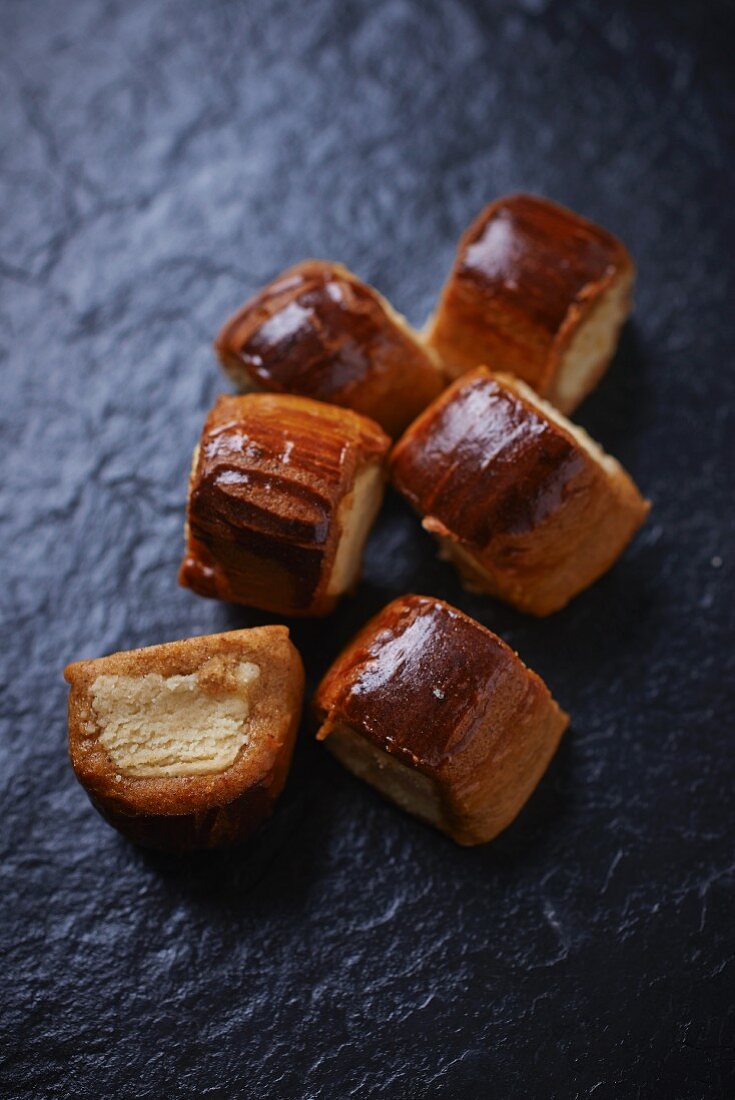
<point>187,744</point>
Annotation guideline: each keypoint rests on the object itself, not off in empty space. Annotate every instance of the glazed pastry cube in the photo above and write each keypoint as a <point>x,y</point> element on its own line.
<point>538,292</point>
<point>282,495</point>
<point>441,717</point>
<point>188,744</point>
<point>524,503</point>
<point>319,331</point>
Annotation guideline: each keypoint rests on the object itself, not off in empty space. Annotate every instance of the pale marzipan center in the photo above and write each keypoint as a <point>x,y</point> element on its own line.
<point>155,726</point>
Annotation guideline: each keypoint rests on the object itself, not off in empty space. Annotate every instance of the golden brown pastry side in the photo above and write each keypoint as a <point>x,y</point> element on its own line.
<point>319,331</point>
<point>265,515</point>
<point>441,716</point>
<point>178,813</point>
<point>538,292</point>
<point>524,503</point>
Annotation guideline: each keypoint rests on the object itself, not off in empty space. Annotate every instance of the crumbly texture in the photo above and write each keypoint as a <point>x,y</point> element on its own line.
<point>187,744</point>
<point>406,786</point>
<point>156,725</point>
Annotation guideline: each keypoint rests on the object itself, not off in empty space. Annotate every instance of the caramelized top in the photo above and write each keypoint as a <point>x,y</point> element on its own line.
<point>319,331</point>
<point>483,461</point>
<point>536,255</point>
<point>422,678</point>
<point>269,476</point>
<point>525,270</point>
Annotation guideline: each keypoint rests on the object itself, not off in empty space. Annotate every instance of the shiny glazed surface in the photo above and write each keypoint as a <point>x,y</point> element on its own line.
<point>485,463</point>
<point>422,679</point>
<point>319,331</point>
<point>270,474</point>
<point>159,156</point>
<point>525,268</point>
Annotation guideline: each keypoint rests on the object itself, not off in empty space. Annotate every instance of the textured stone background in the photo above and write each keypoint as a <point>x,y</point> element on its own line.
<point>160,160</point>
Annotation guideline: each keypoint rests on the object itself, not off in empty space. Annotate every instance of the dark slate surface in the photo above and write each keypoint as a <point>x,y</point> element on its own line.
<point>160,161</point>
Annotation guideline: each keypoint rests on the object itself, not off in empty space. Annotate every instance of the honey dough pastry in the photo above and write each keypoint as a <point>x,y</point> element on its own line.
<point>282,495</point>
<point>441,717</point>
<point>188,744</point>
<point>319,331</point>
<point>538,292</point>
<point>522,501</point>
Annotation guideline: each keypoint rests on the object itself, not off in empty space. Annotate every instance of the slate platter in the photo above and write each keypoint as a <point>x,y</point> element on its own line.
<point>159,162</point>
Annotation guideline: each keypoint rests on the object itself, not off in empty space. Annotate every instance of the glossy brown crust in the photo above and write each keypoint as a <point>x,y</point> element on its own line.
<point>320,332</point>
<point>526,511</point>
<point>528,272</point>
<point>440,693</point>
<point>180,813</point>
<point>263,517</point>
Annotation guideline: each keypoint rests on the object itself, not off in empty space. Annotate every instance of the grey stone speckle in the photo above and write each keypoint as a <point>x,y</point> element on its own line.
<point>160,161</point>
